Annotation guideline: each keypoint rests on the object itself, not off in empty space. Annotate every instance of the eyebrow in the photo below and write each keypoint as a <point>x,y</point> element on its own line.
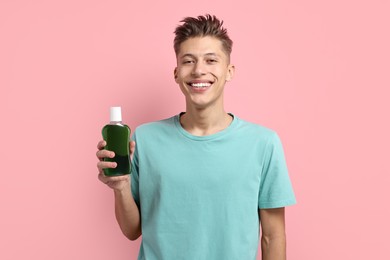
<point>193,56</point>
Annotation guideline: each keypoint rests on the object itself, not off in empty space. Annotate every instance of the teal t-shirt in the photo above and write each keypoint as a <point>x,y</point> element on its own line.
<point>199,195</point>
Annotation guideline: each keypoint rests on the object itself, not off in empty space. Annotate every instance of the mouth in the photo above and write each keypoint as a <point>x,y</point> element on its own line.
<point>200,85</point>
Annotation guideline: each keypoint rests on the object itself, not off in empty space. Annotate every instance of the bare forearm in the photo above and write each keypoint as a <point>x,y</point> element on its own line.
<point>127,214</point>
<point>273,248</point>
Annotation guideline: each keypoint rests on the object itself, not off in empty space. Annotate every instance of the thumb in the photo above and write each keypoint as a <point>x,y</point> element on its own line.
<point>132,149</point>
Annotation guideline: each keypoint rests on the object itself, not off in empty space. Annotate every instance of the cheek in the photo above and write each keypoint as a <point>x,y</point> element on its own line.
<point>181,73</point>
<point>218,73</point>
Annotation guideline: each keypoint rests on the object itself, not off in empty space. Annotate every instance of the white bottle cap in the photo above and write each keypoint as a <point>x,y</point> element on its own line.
<point>115,114</point>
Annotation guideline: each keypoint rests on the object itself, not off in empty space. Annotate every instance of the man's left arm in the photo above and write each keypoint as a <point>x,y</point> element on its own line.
<point>273,239</point>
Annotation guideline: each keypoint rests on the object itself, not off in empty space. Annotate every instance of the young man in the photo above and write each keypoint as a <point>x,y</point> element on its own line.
<point>202,180</point>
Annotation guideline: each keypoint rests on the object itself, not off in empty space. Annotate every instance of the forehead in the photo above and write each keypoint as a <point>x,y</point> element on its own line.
<point>200,46</point>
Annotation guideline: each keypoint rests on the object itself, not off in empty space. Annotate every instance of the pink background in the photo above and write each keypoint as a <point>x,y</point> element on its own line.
<point>315,71</point>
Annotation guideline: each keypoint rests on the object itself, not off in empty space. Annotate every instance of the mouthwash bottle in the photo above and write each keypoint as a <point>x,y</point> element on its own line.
<point>117,137</point>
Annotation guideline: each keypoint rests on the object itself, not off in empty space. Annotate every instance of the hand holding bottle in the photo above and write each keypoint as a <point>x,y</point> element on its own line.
<point>114,182</point>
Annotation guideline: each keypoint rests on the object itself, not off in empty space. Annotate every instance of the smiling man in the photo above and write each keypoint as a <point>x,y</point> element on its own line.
<point>203,67</point>
<point>204,182</point>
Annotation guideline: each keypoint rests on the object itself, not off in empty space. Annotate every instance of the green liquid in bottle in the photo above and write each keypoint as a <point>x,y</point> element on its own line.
<point>117,137</point>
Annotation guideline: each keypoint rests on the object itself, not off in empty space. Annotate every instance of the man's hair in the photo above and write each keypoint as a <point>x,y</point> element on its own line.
<point>207,25</point>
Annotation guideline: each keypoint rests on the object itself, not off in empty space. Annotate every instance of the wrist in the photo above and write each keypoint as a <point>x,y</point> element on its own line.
<point>123,191</point>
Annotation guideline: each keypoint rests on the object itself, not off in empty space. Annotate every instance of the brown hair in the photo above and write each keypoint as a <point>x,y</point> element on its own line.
<point>207,25</point>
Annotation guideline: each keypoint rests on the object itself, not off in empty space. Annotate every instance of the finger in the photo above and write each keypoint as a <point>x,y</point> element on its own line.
<point>118,178</point>
<point>132,148</point>
<point>104,165</point>
<point>101,144</point>
<point>102,178</point>
<point>100,154</point>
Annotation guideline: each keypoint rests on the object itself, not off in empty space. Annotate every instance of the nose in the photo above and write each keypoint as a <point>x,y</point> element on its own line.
<point>199,69</point>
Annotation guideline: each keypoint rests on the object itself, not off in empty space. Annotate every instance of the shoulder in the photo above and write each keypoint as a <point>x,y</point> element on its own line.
<point>154,127</point>
<point>255,130</point>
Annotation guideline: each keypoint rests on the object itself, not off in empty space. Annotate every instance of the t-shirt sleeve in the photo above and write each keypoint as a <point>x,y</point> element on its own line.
<point>135,174</point>
<point>275,185</point>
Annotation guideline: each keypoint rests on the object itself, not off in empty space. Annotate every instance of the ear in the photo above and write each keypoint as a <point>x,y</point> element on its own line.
<point>175,74</point>
<point>230,73</point>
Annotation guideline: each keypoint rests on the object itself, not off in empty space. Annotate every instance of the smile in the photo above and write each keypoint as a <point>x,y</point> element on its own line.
<point>200,85</point>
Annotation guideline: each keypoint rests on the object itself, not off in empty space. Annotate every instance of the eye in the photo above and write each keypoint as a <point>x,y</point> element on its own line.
<point>212,61</point>
<point>188,61</point>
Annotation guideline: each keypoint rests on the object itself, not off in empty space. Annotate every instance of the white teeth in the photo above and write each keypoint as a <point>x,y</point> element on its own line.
<point>200,85</point>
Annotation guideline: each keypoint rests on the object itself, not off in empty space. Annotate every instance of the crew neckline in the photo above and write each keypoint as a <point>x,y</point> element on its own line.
<point>204,137</point>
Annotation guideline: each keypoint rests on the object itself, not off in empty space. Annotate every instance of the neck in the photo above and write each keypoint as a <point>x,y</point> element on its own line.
<point>205,121</point>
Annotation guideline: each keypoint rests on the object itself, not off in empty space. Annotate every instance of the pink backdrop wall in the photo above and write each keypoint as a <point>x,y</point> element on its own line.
<point>315,71</point>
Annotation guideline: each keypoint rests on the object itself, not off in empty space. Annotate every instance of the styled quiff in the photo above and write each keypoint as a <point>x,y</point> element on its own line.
<point>207,25</point>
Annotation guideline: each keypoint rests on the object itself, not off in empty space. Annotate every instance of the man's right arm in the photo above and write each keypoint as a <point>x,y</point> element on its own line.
<point>126,210</point>
<point>127,214</point>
